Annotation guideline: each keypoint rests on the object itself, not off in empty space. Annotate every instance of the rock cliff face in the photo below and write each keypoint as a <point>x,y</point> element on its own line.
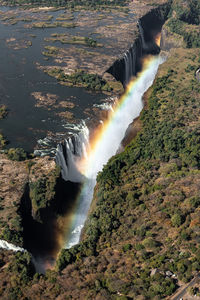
<point>16,202</point>
<point>25,185</point>
<point>46,202</point>
<point>34,204</point>
<point>146,205</point>
<point>148,26</point>
<point>170,39</point>
<point>14,177</point>
<point>146,210</point>
<point>115,32</point>
<point>127,66</point>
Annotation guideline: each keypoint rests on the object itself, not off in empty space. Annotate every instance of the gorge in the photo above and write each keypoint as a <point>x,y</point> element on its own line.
<point>138,201</point>
<point>80,157</point>
<point>80,147</point>
<point>107,141</point>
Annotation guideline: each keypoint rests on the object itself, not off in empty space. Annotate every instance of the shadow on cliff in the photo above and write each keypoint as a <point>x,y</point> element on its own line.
<point>130,63</point>
<point>42,238</point>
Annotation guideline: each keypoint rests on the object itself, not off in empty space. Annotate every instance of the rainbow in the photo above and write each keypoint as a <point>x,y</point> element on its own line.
<point>106,142</point>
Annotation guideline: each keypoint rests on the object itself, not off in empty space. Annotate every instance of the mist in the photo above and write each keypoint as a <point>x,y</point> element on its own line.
<point>107,141</point>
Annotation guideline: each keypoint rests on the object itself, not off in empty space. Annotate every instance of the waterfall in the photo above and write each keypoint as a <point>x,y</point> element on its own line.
<point>128,66</point>
<point>72,150</point>
<point>126,62</point>
<point>129,63</point>
<point>149,45</point>
<point>8,246</point>
<point>131,59</point>
<point>104,106</point>
<point>72,155</point>
<point>141,30</point>
<point>107,142</point>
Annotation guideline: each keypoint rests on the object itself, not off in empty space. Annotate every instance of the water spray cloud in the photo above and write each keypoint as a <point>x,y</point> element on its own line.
<point>107,139</point>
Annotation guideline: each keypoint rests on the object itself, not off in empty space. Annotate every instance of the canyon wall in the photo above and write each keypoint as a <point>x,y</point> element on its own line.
<point>149,27</point>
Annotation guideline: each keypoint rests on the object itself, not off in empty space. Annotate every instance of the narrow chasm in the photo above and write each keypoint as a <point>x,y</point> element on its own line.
<point>43,230</point>
<point>54,211</point>
<point>149,28</point>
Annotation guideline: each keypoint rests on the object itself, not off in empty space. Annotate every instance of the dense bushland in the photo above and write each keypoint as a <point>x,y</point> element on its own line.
<point>42,192</point>
<point>81,78</point>
<point>184,20</point>
<point>147,199</point>
<point>142,234</point>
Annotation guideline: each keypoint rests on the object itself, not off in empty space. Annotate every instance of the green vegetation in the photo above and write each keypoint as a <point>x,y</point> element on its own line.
<point>18,272</point>
<point>53,25</point>
<point>90,42</point>
<point>42,192</point>
<point>14,234</point>
<point>51,51</point>
<point>65,17</point>
<point>13,18</point>
<point>185,21</point>
<point>21,270</point>
<point>75,40</point>
<point>81,78</point>
<point>192,291</point>
<point>17,154</point>
<point>187,11</point>
<point>142,234</point>
<point>176,220</point>
<point>3,111</point>
<point>3,141</point>
<point>147,198</point>
<point>11,229</point>
<point>3,114</point>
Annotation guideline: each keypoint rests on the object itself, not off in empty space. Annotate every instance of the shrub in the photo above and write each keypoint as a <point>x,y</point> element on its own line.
<point>42,191</point>
<point>139,247</point>
<point>176,220</point>
<point>64,259</point>
<point>127,247</point>
<point>3,111</point>
<point>3,141</point>
<point>17,154</point>
<point>90,42</point>
<point>89,81</point>
<point>149,243</point>
<point>194,201</point>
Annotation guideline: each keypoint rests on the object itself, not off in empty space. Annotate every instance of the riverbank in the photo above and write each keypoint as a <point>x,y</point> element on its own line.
<point>46,49</point>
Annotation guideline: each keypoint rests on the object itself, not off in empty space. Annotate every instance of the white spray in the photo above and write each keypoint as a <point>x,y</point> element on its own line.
<point>109,143</point>
<point>8,246</point>
<point>75,148</point>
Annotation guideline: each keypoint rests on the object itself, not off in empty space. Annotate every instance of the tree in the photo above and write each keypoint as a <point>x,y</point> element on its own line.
<point>17,154</point>
<point>176,220</point>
